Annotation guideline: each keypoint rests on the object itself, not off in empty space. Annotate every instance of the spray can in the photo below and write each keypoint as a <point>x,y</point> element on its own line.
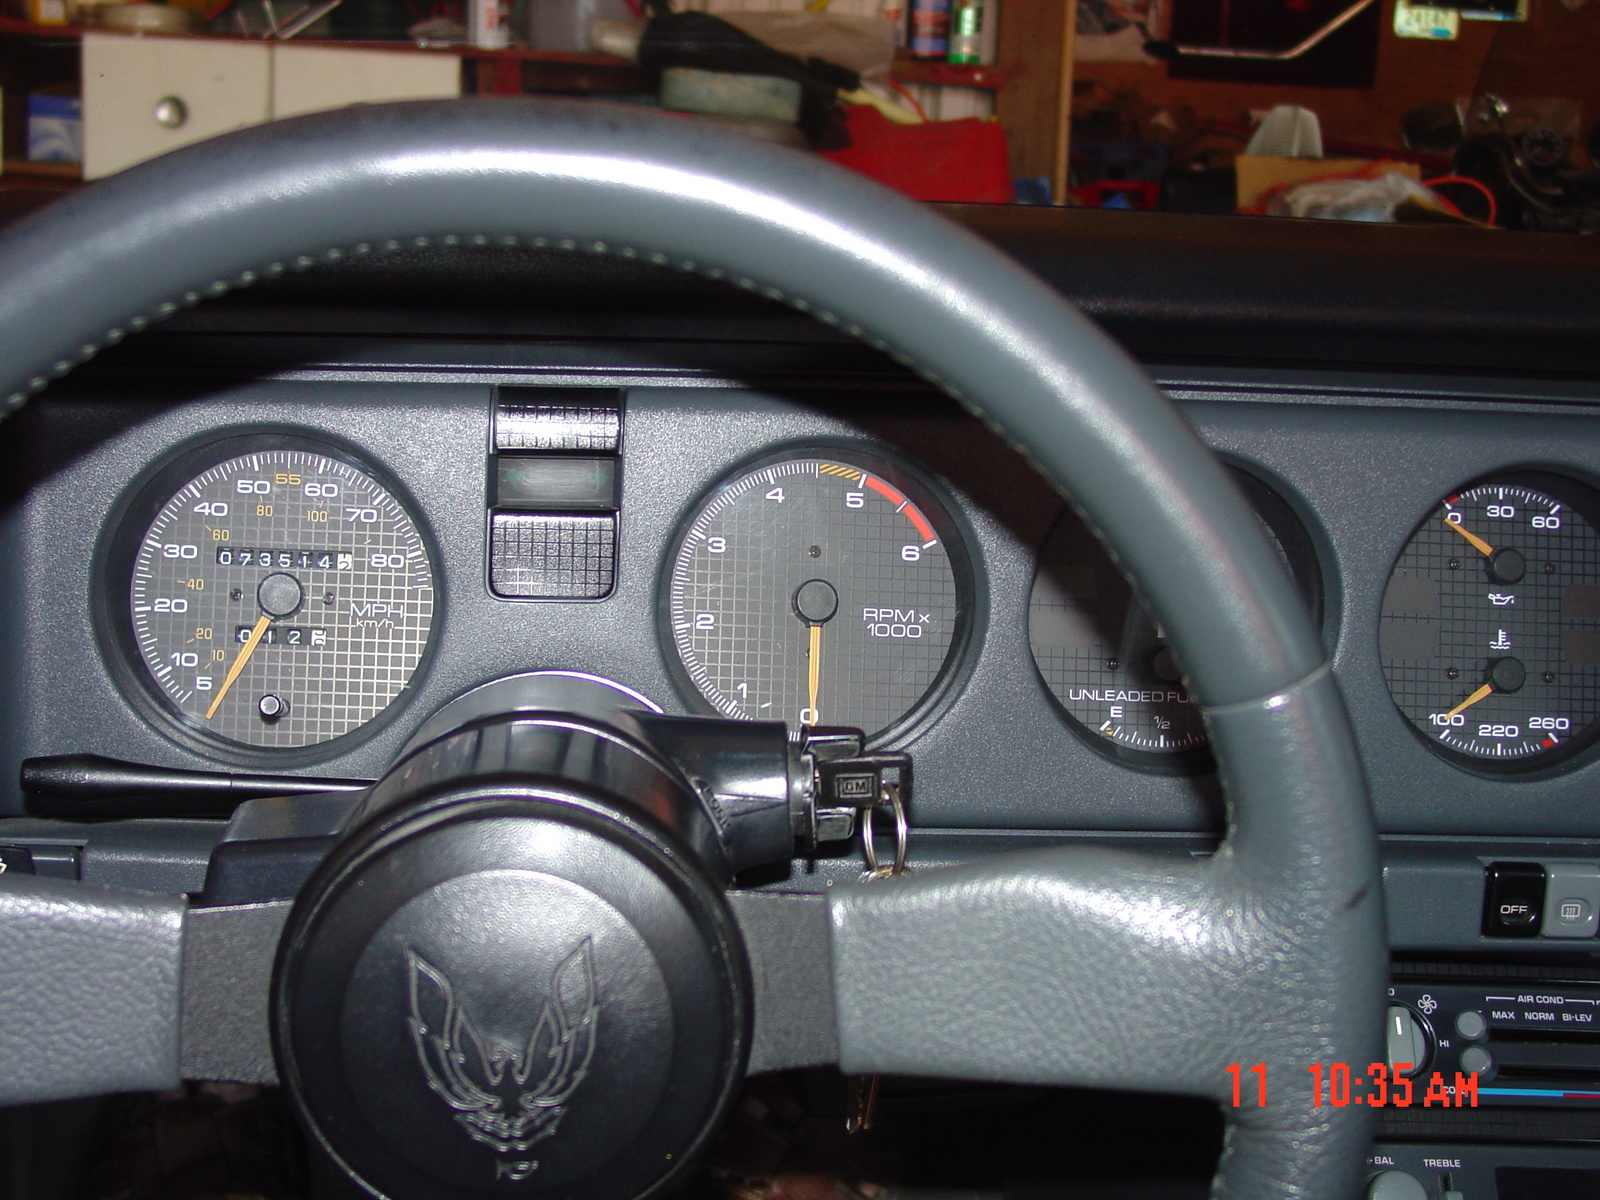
<point>489,23</point>
<point>894,12</point>
<point>966,31</point>
<point>930,28</point>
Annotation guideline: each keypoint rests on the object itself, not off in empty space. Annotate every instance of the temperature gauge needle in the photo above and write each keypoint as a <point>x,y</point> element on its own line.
<point>1486,690</point>
<point>814,672</point>
<point>243,657</point>
<point>1478,544</point>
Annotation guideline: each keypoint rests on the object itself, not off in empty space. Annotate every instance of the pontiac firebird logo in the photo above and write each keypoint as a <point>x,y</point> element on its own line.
<point>502,1109</point>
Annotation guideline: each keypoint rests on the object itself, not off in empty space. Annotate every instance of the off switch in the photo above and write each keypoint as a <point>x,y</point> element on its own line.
<point>1513,901</point>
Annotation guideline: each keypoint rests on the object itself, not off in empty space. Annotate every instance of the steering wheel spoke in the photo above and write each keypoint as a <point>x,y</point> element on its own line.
<point>1064,966</point>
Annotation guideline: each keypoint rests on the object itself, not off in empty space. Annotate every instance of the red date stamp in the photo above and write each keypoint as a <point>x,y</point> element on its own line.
<point>1381,1085</point>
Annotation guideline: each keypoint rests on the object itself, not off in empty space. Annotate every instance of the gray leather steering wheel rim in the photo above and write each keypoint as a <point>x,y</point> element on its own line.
<point>1076,966</point>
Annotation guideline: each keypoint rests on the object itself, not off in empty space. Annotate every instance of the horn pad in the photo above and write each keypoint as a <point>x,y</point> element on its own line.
<point>521,989</point>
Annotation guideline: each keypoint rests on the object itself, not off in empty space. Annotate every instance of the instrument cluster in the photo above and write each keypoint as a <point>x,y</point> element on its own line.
<point>275,595</point>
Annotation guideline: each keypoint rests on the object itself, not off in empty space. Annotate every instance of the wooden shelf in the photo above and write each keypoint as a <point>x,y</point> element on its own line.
<point>1032,89</point>
<point>906,69</point>
<point>65,172</point>
<point>65,32</point>
<point>946,74</point>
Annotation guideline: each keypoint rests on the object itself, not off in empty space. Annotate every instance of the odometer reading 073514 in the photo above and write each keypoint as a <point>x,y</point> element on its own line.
<point>280,598</point>
<point>1490,633</point>
<point>816,591</point>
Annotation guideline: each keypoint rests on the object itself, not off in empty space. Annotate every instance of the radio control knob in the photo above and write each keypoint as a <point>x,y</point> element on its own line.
<point>1406,1038</point>
<point>1395,1185</point>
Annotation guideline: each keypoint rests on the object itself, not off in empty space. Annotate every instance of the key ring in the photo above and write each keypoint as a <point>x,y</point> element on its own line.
<point>902,836</point>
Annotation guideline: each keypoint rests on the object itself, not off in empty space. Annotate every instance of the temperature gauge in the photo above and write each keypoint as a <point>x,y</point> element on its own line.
<point>1490,633</point>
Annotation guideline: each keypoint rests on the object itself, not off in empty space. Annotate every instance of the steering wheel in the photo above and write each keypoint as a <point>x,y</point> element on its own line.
<point>1072,966</point>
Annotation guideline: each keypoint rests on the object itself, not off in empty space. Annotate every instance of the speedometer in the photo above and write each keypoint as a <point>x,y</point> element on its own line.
<point>274,594</point>
<point>819,588</point>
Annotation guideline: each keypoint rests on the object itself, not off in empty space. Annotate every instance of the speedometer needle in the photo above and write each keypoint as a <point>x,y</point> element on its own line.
<point>1486,690</point>
<point>243,657</point>
<point>1478,544</point>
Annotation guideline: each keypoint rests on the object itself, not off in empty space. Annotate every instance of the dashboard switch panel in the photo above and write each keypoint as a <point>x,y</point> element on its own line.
<point>554,492</point>
<point>1513,899</point>
<point>1572,900</point>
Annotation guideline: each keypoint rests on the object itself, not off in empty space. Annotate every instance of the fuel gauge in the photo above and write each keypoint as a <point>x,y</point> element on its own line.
<point>1104,657</point>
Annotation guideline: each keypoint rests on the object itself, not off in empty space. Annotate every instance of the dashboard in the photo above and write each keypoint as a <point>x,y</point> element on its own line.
<point>729,510</point>
<point>1351,473</point>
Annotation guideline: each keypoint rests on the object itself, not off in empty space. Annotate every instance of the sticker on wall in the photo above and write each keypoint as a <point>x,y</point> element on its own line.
<point>1420,21</point>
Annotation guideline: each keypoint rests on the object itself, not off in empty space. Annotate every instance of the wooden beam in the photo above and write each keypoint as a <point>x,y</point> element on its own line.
<point>1035,52</point>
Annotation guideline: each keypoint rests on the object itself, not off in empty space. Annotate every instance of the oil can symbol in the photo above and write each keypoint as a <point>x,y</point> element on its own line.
<point>506,1096</point>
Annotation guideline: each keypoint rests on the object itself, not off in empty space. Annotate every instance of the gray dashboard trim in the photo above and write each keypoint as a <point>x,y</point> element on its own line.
<point>88,984</point>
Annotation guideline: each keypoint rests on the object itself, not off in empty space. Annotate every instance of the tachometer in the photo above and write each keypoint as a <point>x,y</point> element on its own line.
<point>275,594</point>
<point>1490,633</point>
<point>819,588</point>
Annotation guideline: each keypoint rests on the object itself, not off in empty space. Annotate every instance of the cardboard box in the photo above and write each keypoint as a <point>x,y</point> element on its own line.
<point>1260,173</point>
<point>55,128</point>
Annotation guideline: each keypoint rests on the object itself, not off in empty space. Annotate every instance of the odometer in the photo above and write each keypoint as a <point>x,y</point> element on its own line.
<point>817,589</point>
<point>279,598</point>
<point>1490,632</point>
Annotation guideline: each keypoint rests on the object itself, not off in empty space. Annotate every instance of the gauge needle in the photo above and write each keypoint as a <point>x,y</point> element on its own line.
<point>245,651</point>
<point>1478,544</point>
<point>814,671</point>
<point>1486,690</point>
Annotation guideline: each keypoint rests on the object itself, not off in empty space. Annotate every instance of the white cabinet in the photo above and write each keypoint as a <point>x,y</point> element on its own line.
<point>143,96</point>
<point>312,78</point>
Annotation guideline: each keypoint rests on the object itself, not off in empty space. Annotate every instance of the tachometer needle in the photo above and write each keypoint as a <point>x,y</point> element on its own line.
<point>1478,544</point>
<point>814,671</point>
<point>1486,690</point>
<point>245,651</point>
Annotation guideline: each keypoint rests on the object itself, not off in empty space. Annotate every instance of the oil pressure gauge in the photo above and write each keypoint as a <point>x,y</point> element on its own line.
<point>1490,632</point>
